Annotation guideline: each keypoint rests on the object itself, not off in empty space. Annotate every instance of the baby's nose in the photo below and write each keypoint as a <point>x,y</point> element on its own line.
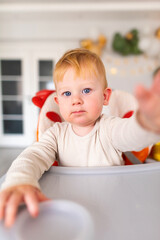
<point>77,100</point>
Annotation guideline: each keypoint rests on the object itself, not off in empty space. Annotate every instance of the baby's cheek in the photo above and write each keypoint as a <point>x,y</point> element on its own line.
<point>96,108</point>
<point>62,109</point>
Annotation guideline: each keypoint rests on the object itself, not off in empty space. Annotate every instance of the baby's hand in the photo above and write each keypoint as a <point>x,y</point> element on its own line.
<point>148,114</point>
<point>12,197</point>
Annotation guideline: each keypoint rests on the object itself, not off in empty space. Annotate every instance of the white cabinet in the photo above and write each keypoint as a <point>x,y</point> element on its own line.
<point>24,70</point>
<point>14,110</point>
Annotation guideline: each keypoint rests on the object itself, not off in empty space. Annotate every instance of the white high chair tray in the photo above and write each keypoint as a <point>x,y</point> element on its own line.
<point>122,202</point>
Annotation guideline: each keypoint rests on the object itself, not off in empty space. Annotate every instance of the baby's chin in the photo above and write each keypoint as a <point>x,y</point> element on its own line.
<point>80,119</point>
<point>83,123</point>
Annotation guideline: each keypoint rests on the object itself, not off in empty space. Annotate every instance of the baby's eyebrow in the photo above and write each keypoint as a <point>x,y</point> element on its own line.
<point>63,89</point>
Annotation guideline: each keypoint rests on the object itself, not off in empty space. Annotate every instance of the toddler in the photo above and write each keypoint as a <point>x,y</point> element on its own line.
<point>87,137</point>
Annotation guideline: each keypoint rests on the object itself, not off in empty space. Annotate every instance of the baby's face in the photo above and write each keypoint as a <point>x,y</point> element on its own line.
<point>81,100</point>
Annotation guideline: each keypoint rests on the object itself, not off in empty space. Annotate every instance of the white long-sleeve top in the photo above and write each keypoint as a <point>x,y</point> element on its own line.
<point>103,146</point>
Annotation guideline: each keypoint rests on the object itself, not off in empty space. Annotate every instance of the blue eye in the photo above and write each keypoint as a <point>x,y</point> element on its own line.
<point>67,93</point>
<point>86,90</point>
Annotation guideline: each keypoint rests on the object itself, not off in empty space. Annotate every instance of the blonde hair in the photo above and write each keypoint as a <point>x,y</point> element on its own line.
<point>84,62</point>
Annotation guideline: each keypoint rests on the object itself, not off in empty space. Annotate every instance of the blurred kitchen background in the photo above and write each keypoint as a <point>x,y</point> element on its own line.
<point>35,33</point>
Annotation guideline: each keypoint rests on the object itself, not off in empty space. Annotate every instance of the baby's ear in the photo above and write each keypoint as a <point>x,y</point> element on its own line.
<point>56,99</point>
<point>107,93</point>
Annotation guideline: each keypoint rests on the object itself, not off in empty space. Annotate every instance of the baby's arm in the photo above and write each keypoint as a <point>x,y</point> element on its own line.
<point>143,128</point>
<point>148,114</point>
<point>21,183</point>
<point>11,198</point>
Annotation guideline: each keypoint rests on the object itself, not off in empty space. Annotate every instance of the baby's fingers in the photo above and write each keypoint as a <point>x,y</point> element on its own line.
<point>141,92</point>
<point>11,199</point>
<point>12,208</point>
<point>42,197</point>
<point>31,200</point>
<point>3,199</point>
<point>156,83</point>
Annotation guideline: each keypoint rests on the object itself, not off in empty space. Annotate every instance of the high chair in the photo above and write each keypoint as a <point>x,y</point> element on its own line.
<point>122,202</point>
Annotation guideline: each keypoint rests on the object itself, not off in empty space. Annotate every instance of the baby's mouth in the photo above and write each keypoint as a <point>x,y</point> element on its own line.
<point>78,112</point>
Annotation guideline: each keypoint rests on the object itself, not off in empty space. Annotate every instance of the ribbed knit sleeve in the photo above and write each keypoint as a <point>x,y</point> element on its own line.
<point>128,135</point>
<point>29,166</point>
